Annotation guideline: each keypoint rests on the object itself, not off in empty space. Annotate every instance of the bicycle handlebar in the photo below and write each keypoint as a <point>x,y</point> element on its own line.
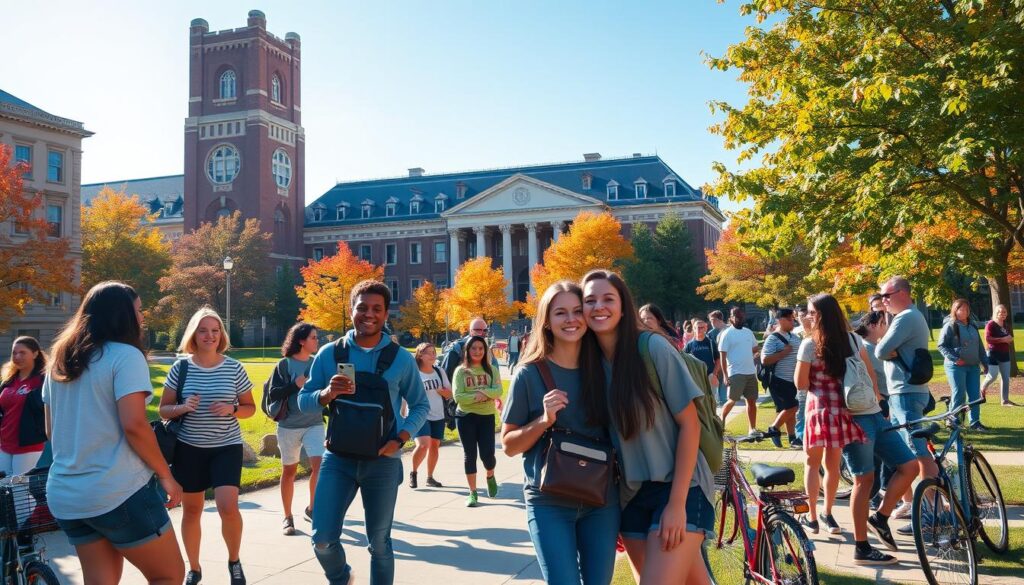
<point>952,414</point>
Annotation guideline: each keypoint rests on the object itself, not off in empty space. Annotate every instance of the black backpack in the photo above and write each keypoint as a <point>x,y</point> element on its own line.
<point>359,424</point>
<point>765,373</point>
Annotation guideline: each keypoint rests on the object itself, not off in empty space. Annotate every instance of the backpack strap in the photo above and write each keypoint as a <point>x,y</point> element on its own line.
<point>182,366</point>
<point>386,358</point>
<point>545,375</point>
<point>340,351</point>
<point>645,354</point>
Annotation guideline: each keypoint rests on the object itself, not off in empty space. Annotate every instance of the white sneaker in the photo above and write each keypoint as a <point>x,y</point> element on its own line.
<point>902,512</point>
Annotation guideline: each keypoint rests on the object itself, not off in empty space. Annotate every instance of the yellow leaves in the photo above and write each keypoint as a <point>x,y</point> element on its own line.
<point>479,291</point>
<point>424,313</point>
<point>326,285</point>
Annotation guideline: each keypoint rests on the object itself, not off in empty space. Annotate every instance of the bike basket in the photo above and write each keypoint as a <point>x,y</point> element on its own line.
<point>23,507</point>
<point>722,476</point>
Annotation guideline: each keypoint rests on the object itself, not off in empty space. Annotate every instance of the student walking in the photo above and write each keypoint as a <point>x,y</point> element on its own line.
<point>428,438</point>
<point>779,353</point>
<point>704,348</point>
<point>998,337</point>
<point>820,368</point>
<point>477,384</point>
<point>454,353</point>
<point>22,417</point>
<point>382,369</point>
<point>575,542</point>
<point>667,485</point>
<point>514,347</point>
<point>737,346</point>
<point>960,346</point>
<point>101,486</point>
<point>216,393</point>
<point>297,430</point>
<point>718,325</point>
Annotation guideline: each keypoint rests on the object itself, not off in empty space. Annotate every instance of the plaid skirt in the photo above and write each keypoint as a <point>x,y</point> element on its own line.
<point>827,422</point>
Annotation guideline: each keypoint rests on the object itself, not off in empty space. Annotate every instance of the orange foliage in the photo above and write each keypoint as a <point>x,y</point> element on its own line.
<point>326,285</point>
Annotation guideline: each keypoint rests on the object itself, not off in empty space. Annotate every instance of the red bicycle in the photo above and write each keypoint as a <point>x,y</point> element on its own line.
<point>775,550</point>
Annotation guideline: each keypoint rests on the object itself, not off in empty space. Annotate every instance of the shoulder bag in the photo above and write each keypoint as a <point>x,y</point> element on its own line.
<point>166,431</point>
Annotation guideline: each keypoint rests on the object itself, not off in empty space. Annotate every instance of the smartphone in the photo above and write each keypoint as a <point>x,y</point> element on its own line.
<point>347,370</point>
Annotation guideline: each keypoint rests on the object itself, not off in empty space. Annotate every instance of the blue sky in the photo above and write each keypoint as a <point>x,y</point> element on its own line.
<point>445,85</point>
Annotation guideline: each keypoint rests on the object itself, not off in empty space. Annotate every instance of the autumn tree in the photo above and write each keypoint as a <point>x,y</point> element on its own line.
<point>119,242</point>
<point>33,265</point>
<point>869,117</point>
<point>326,285</point>
<point>594,241</point>
<point>663,269</point>
<point>423,314</point>
<point>197,274</point>
<point>478,291</point>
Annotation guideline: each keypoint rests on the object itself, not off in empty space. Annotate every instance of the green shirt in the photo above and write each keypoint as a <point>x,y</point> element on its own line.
<point>468,381</point>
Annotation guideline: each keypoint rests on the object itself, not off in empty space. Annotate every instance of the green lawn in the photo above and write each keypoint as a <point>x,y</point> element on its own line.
<point>624,576</point>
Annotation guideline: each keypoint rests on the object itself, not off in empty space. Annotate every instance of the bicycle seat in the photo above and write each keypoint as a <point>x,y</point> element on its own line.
<point>771,475</point>
<point>927,432</point>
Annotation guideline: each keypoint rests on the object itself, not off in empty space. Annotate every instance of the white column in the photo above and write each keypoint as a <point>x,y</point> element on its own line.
<point>453,253</point>
<point>481,244</point>
<point>559,226</point>
<point>506,259</point>
<point>531,248</point>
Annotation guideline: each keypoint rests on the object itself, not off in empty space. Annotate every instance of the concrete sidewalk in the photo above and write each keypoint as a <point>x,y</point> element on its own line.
<point>995,458</point>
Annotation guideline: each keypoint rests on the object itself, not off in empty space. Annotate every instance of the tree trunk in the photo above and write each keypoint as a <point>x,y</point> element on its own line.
<point>999,289</point>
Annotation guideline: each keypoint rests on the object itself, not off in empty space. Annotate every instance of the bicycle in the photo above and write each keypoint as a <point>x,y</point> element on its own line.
<point>949,511</point>
<point>24,514</point>
<point>776,552</point>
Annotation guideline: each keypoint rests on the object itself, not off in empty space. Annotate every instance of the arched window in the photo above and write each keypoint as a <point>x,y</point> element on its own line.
<point>227,85</point>
<point>275,89</point>
<point>281,166</point>
<point>223,164</point>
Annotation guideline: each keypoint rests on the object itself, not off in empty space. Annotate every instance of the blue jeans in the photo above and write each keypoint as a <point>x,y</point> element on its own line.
<point>574,543</point>
<point>340,478</point>
<point>801,399</point>
<point>965,382</point>
<point>906,407</point>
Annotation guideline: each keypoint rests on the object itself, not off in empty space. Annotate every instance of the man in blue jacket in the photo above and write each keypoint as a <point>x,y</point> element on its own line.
<point>378,477</point>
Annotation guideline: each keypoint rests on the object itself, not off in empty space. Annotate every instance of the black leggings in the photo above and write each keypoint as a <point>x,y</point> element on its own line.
<point>476,431</point>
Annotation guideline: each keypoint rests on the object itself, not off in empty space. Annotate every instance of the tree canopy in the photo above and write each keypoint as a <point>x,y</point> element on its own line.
<point>478,291</point>
<point>423,314</point>
<point>671,285</point>
<point>326,285</point>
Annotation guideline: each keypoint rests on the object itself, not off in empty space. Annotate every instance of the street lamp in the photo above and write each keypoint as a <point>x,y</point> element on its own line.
<point>228,265</point>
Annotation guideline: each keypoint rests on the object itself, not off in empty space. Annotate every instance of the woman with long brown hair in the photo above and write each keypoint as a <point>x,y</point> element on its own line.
<point>101,487</point>
<point>476,385</point>
<point>960,346</point>
<point>22,416</point>
<point>667,484</point>
<point>574,542</point>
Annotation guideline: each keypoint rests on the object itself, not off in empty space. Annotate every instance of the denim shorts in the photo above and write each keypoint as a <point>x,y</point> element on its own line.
<point>907,407</point>
<point>642,514</point>
<point>433,429</point>
<point>887,445</point>
<point>138,520</point>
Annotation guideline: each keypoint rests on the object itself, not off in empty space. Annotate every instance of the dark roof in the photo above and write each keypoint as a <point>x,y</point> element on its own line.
<point>154,192</point>
<point>569,176</point>
<point>13,106</point>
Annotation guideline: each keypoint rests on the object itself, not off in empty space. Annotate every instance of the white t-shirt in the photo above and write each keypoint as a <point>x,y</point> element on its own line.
<point>739,344</point>
<point>431,383</point>
<point>94,468</point>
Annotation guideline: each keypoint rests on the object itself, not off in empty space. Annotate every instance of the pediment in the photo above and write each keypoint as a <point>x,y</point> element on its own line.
<point>520,193</point>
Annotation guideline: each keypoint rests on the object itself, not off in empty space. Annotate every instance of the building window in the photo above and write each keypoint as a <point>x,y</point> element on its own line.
<point>341,212</point>
<point>438,205</point>
<point>440,283</point>
<point>440,251</point>
<point>415,284</point>
<point>641,189</point>
<point>366,211</point>
<point>521,247</point>
<point>318,254</point>
<point>471,249</point>
<point>389,208</point>
<point>613,191</point>
<point>318,213</point>
<point>23,154</point>
<point>414,207</point>
<point>55,300</point>
<point>460,190</point>
<point>54,220</point>
<point>670,188</point>
<point>223,164</point>
<point>275,89</point>
<point>390,254</point>
<point>393,285</point>
<point>281,166</point>
<point>366,252</point>
<point>415,253</point>
<point>55,167</point>
<point>588,180</point>
<point>227,85</point>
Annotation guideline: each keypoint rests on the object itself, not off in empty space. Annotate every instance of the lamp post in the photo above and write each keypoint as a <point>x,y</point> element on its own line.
<point>228,265</point>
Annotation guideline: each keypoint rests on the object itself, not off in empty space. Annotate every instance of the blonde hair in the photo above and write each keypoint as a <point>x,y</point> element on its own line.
<point>188,339</point>
<point>422,348</point>
<point>541,340</point>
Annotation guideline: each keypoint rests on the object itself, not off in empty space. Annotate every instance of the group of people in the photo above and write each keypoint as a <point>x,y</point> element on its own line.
<point>594,366</point>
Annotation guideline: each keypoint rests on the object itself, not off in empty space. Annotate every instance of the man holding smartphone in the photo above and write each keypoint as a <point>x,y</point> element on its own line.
<point>378,478</point>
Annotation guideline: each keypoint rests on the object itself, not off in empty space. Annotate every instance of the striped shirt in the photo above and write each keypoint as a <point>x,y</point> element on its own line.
<point>224,382</point>
<point>785,367</point>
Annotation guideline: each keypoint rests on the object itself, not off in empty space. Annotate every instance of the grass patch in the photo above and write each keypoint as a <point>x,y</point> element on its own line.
<point>737,426</point>
<point>1011,483</point>
<point>1009,565</point>
<point>624,576</point>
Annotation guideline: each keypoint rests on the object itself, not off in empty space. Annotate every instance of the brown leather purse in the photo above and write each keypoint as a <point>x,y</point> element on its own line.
<point>576,467</point>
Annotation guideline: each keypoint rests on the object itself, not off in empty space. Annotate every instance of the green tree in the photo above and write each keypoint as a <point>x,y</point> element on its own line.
<point>643,270</point>
<point>286,305</point>
<point>868,117</point>
<point>680,270</point>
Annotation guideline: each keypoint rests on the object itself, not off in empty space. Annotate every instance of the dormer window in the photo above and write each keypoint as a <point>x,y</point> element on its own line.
<point>366,212</point>
<point>319,213</point>
<point>341,212</point>
<point>588,180</point>
<point>641,188</point>
<point>414,207</point>
<point>613,190</point>
<point>460,190</point>
<point>390,207</point>
<point>670,186</point>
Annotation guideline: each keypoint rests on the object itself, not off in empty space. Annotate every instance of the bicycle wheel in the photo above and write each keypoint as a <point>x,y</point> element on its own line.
<point>724,554</point>
<point>987,504</point>
<point>944,545</point>
<point>39,573</point>
<point>845,481</point>
<point>787,548</point>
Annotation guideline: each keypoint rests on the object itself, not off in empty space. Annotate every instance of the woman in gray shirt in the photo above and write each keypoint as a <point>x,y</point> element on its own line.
<point>960,346</point>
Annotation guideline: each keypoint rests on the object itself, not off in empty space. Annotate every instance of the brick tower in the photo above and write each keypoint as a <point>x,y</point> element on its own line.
<point>244,142</point>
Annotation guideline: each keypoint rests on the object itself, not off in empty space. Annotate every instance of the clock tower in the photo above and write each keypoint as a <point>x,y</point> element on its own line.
<point>244,142</point>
